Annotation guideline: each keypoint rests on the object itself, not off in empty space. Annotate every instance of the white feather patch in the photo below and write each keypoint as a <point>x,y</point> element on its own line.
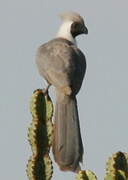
<point>65,31</point>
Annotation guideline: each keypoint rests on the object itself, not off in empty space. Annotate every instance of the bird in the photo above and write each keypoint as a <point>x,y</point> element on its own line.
<point>63,65</point>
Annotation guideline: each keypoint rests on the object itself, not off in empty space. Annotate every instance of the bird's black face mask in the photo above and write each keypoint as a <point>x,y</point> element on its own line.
<point>78,28</point>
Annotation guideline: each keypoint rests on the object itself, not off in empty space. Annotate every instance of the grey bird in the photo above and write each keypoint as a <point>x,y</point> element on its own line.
<point>63,65</point>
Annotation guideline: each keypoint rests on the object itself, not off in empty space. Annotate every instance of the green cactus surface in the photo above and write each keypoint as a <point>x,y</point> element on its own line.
<point>86,175</point>
<point>40,137</point>
<point>118,161</point>
<point>117,167</point>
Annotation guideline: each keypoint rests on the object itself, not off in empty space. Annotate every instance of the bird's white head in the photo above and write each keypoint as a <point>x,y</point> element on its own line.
<point>72,26</point>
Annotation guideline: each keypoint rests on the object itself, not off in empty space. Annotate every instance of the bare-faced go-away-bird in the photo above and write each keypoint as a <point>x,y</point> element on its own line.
<point>63,65</point>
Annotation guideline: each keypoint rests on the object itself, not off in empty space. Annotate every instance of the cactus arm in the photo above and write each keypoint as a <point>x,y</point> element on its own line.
<point>40,137</point>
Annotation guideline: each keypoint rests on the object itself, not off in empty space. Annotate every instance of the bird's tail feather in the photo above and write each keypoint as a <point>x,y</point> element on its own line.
<point>67,143</point>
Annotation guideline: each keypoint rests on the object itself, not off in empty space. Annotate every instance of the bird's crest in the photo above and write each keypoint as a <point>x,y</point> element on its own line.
<point>71,16</point>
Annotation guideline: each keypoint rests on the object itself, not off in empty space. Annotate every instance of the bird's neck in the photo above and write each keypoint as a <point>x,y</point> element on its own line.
<point>65,31</point>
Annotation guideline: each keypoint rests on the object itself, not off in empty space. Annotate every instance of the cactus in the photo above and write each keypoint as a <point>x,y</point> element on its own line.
<point>86,175</point>
<point>40,133</point>
<point>40,137</point>
<point>117,167</point>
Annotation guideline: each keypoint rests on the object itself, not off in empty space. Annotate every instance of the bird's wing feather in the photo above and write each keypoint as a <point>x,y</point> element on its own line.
<point>60,63</point>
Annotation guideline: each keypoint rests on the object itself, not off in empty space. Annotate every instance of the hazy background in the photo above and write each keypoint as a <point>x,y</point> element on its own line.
<point>103,99</point>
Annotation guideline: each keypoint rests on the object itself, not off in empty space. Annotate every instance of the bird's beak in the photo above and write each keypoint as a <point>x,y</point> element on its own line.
<point>85,30</point>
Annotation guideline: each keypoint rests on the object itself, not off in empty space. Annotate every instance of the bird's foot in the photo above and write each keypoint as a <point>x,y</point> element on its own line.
<point>45,91</point>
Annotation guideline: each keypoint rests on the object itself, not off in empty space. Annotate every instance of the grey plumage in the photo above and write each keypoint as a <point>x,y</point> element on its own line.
<point>63,65</point>
<point>67,146</point>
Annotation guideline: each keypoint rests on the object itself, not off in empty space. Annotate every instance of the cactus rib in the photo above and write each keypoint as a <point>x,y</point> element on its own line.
<point>86,175</point>
<point>40,137</point>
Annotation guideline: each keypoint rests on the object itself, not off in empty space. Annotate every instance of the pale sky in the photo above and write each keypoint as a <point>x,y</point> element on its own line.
<point>103,99</point>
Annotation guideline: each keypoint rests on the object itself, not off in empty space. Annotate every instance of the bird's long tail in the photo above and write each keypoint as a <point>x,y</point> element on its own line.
<point>67,143</point>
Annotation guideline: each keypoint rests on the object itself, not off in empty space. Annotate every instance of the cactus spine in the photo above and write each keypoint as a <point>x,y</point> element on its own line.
<point>40,137</point>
